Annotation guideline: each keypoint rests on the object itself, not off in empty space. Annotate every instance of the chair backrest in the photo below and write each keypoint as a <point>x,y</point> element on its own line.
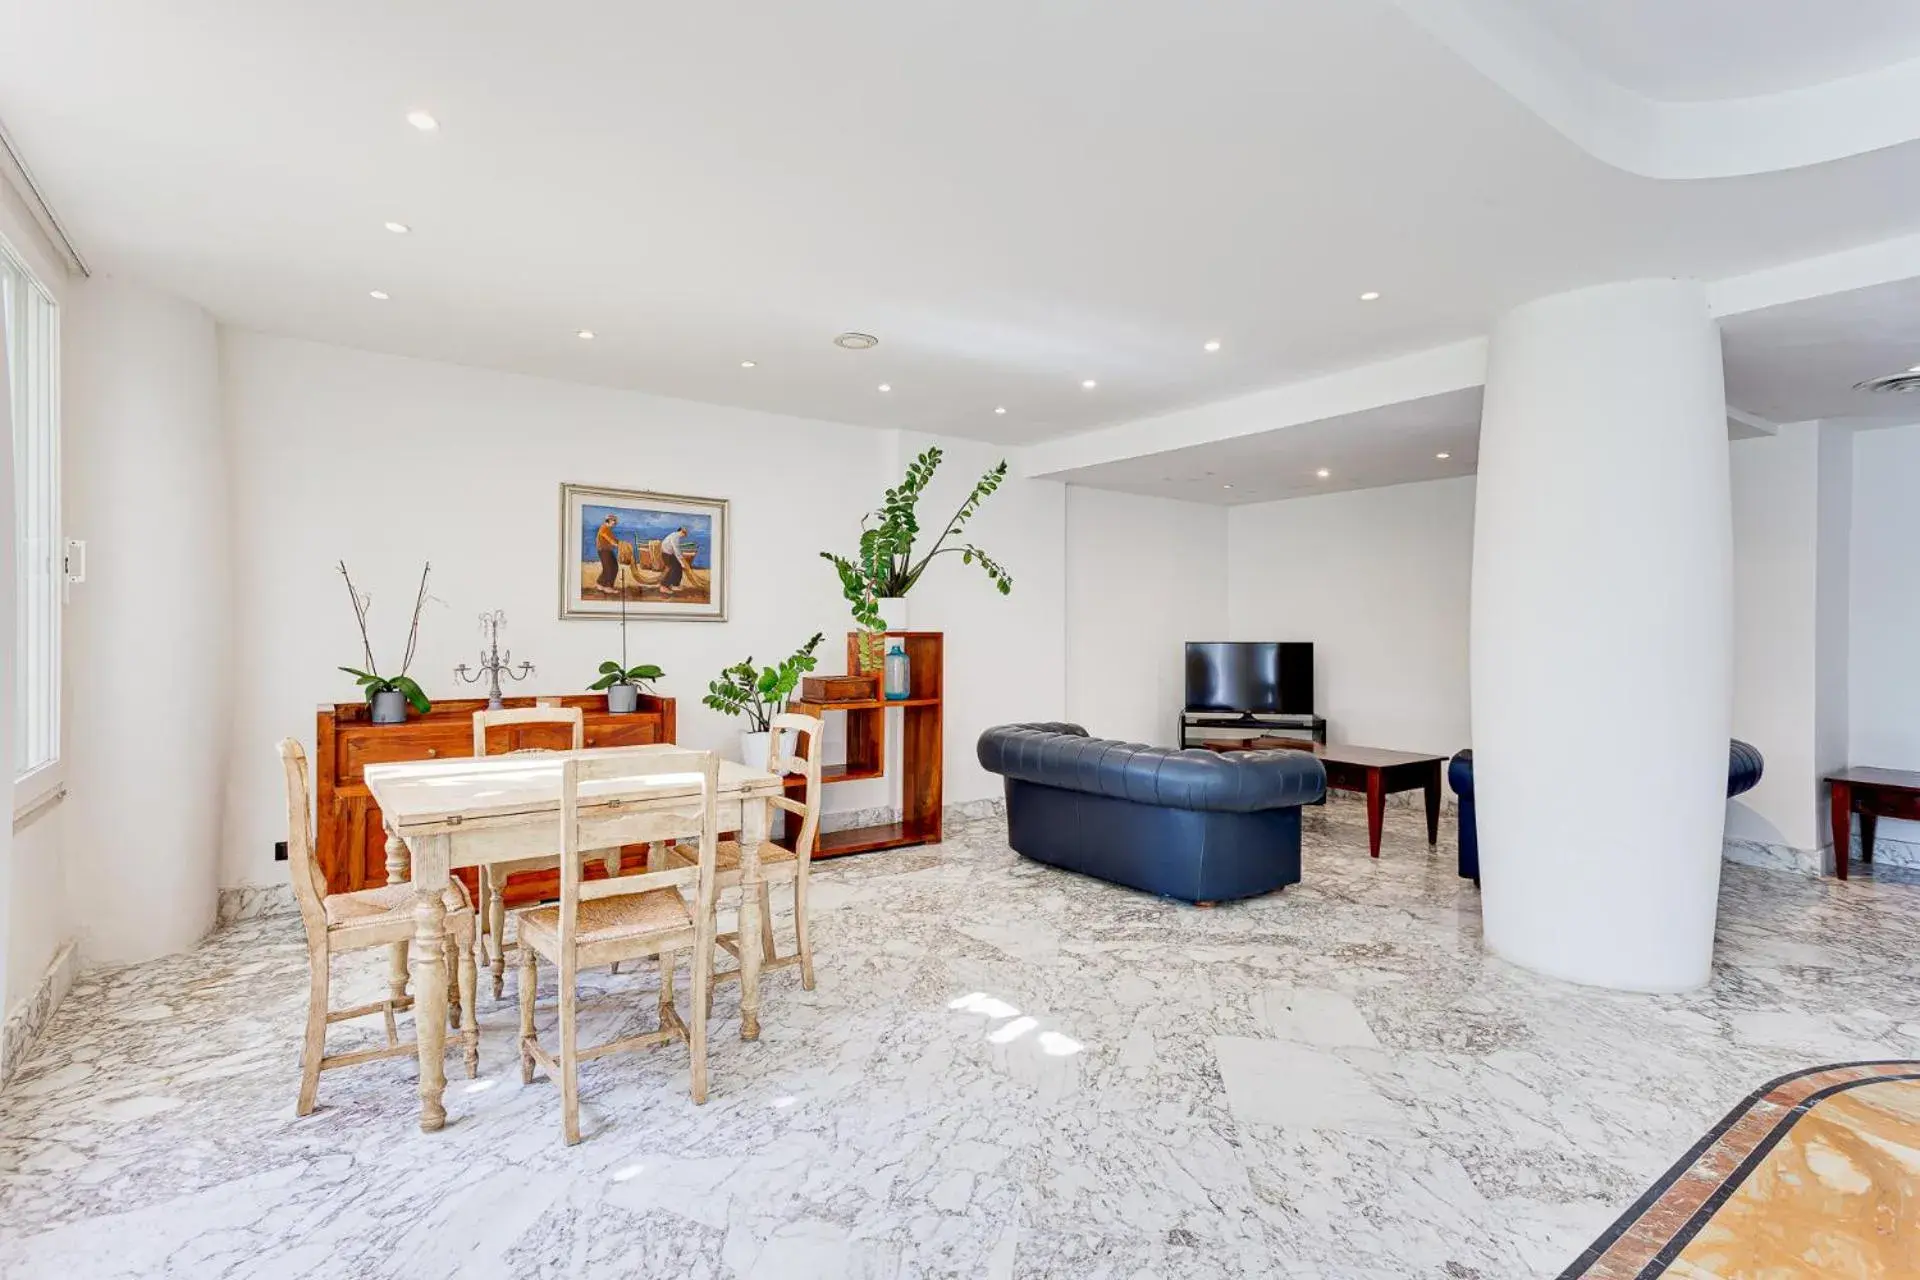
<point>784,757</point>
<point>485,720</point>
<point>660,795</point>
<point>303,862</point>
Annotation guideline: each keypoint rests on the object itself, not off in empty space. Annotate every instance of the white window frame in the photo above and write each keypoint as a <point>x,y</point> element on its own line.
<point>34,790</point>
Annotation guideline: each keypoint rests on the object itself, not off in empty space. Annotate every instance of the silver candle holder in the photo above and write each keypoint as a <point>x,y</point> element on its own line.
<point>494,661</point>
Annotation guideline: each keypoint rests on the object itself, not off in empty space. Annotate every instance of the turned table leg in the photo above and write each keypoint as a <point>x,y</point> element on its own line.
<point>397,954</point>
<point>430,979</point>
<point>753,830</point>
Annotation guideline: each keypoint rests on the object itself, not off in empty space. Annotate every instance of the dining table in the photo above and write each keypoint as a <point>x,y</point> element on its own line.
<point>444,814</point>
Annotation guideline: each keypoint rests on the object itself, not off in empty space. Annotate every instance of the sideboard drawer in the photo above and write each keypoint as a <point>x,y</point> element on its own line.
<point>389,745</point>
<point>623,731</point>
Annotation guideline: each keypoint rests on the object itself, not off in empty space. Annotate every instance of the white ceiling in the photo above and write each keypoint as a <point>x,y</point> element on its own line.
<point>1696,50</point>
<point>1015,197</point>
<point>1800,361</point>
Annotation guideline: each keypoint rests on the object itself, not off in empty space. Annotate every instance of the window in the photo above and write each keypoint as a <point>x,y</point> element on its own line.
<point>32,335</point>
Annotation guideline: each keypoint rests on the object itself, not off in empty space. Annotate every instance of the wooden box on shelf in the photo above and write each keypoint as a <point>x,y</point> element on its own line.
<point>920,747</point>
<point>823,690</point>
<point>348,834</point>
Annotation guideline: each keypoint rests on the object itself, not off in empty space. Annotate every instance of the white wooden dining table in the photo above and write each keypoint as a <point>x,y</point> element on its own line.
<point>443,814</point>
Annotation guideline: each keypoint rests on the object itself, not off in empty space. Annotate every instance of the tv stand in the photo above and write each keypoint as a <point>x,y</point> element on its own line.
<point>1217,726</point>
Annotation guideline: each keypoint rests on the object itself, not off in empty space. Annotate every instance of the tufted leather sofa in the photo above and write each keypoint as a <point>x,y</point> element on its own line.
<point>1196,825</point>
<point>1744,767</point>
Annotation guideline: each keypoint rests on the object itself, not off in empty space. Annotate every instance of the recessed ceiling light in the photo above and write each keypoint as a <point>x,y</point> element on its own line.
<point>1089,384</point>
<point>398,228</point>
<point>886,386</point>
<point>377,294</point>
<point>1000,409</point>
<point>422,121</point>
<point>1226,486</point>
<point>1213,345</point>
<point>746,364</point>
<point>1370,296</point>
<point>1323,473</point>
<point>1443,456</point>
<point>584,333</point>
<point>853,341</point>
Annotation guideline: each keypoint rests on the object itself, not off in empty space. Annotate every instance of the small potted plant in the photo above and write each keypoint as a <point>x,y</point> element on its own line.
<point>759,695</point>
<point>620,681</point>
<point>388,696</point>
<point>876,579</point>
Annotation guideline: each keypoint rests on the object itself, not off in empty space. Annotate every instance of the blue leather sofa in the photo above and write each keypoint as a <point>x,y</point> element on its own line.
<point>1195,825</point>
<point>1744,767</point>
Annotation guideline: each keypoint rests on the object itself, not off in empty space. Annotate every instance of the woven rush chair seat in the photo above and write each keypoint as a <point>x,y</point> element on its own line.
<point>727,855</point>
<point>625,918</point>
<point>364,905</point>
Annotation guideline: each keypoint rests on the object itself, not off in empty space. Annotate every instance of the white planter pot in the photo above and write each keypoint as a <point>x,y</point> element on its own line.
<point>894,610</point>
<point>754,748</point>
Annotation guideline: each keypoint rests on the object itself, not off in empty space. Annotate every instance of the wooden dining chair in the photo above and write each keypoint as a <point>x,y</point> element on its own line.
<point>625,916</point>
<point>778,864</point>
<point>493,878</point>
<point>356,921</point>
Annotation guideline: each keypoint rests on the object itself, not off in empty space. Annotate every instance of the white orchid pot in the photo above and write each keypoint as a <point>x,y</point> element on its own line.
<point>754,748</point>
<point>623,699</point>
<point>894,610</point>
<point>389,707</point>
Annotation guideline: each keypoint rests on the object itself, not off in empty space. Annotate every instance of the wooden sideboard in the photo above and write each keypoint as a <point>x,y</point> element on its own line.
<point>349,836</point>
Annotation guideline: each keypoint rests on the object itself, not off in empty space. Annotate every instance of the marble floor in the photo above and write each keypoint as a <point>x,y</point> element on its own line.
<point>1006,1071</point>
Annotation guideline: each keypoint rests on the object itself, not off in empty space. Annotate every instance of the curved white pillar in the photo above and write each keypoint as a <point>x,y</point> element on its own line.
<point>1602,626</point>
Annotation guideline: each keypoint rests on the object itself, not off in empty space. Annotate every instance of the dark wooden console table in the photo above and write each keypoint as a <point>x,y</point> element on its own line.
<point>1873,794</point>
<point>1374,772</point>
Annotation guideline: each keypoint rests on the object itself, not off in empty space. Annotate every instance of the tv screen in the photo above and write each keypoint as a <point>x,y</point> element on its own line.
<point>1250,675</point>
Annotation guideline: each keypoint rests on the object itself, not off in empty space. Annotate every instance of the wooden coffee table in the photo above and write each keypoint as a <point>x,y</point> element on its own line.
<point>1374,772</point>
<point>1873,794</point>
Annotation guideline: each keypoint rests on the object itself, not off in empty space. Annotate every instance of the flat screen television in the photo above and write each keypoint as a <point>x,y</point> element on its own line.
<point>1273,676</point>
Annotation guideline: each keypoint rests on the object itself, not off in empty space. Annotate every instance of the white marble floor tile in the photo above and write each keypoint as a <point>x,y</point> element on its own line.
<point>1006,1071</point>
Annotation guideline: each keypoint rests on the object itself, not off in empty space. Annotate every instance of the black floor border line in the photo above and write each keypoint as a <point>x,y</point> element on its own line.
<point>1660,1261</point>
<point>1665,1181</point>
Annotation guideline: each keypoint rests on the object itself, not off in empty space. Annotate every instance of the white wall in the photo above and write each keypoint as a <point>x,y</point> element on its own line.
<point>148,634</point>
<point>1884,604</point>
<point>1378,579</point>
<point>1144,576</point>
<point>1775,657</point>
<point>387,462</point>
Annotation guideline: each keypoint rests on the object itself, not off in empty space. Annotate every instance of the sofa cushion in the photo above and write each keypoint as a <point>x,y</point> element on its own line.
<point>1061,755</point>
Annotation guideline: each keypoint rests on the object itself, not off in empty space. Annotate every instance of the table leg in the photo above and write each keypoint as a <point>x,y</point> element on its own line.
<point>1868,821</point>
<point>397,953</point>
<point>753,830</point>
<point>1376,809</point>
<point>1840,805</point>
<point>1433,807</point>
<point>430,977</point>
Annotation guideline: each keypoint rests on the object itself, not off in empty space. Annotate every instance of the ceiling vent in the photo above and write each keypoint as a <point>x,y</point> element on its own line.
<point>856,341</point>
<point>1892,384</point>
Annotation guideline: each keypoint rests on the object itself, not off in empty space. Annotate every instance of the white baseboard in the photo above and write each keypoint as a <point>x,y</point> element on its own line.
<point>25,1022</point>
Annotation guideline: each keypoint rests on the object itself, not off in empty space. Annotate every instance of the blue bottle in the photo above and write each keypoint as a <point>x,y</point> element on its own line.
<point>899,673</point>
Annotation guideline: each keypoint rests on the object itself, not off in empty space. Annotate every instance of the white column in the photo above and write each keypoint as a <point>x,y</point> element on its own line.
<point>1601,636</point>
<point>148,635</point>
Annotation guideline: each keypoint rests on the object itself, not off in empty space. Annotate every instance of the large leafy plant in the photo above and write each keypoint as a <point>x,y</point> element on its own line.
<point>760,694</point>
<point>370,680</point>
<point>885,565</point>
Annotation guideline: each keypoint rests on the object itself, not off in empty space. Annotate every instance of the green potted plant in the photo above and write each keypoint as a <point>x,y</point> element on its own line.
<point>388,696</point>
<point>877,578</point>
<point>620,681</point>
<point>759,695</point>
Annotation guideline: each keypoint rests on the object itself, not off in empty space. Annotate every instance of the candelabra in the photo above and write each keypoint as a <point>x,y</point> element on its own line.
<point>493,663</point>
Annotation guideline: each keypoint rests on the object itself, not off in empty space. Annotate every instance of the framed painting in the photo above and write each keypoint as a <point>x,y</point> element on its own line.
<point>663,554</point>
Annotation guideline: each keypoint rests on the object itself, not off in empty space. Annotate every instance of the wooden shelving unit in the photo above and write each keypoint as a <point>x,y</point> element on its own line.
<point>920,748</point>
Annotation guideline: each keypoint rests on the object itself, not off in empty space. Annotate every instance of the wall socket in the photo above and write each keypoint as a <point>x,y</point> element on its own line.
<point>279,850</point>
